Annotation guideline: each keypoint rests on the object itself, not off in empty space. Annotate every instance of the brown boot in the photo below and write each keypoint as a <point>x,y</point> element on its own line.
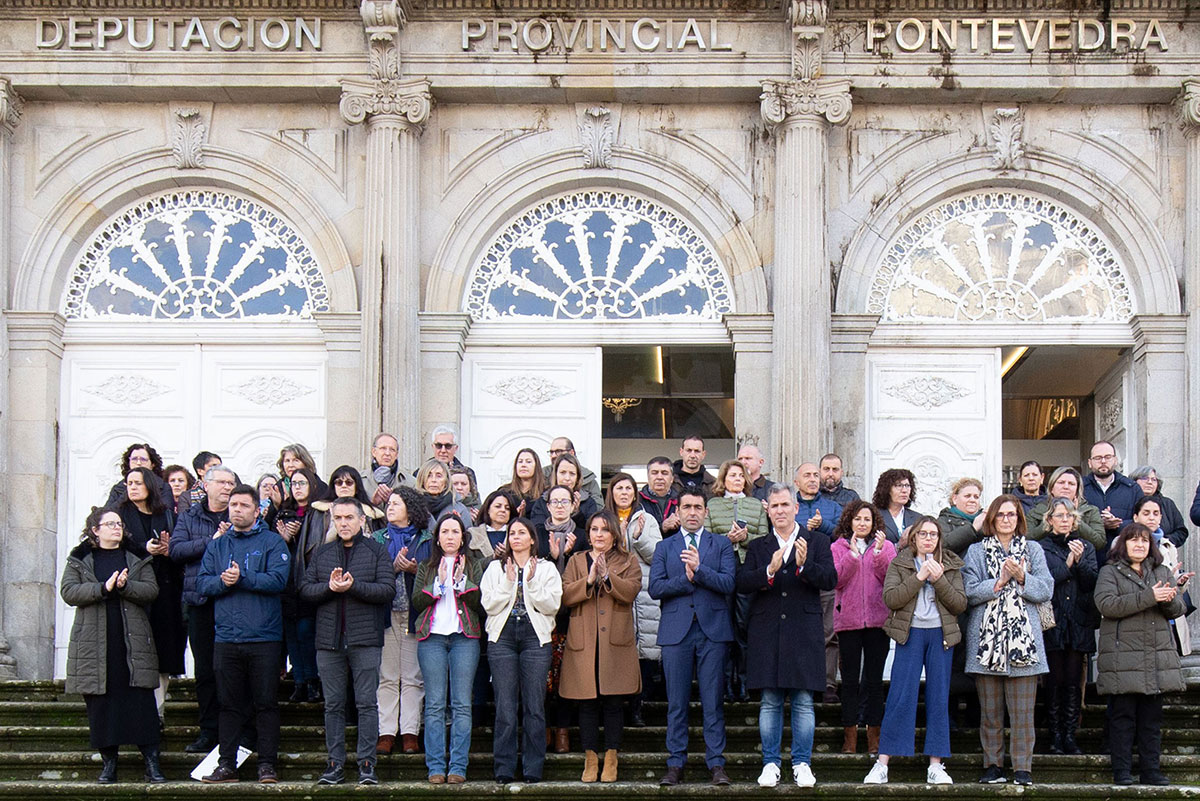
<point>610,766</point>
<point>850,740</point>
<point>873,740</point>
<point>409,744</point>
<point>562,742</point>
<point>591,767</point>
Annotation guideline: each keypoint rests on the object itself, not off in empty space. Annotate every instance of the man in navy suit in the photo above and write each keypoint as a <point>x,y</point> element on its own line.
<point>692,574</point>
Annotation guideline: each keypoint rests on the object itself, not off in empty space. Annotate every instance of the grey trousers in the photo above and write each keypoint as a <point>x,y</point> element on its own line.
<point>359,663</point>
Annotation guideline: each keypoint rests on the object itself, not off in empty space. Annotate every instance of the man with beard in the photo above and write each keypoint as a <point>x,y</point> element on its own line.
<point>1110,492</point>
<point>831,481</point>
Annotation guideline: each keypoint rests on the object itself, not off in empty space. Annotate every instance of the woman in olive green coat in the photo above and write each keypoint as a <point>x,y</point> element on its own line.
<point>1065,482</point>
<point>111,659</point>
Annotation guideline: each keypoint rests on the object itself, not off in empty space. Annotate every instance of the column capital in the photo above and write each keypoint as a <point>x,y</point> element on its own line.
<point>11,106</point>
<point>401,101</point>
<point>751,333</point>
<point>1189,105</point>
<point>823,99</point>
<point>444,332</point>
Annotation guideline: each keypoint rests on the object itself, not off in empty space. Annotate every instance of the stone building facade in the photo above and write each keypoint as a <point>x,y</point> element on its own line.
<point>234,225</point>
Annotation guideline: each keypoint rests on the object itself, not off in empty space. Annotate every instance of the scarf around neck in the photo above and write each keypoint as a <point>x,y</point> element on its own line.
<point>1005,637</point>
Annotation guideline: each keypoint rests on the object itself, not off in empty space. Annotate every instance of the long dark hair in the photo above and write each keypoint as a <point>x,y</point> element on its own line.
<point>537,484</point>
<point>614,528</point>
<point>154,498</point>
<point>882,497</point>
<point>435,552</point>
<point>1119,550</point>
<point>485,515</point>
<point>989,519</point>
<point>610,503</point>
<point>360,492</point>
<point>845,524</point>
<point>314,489</point>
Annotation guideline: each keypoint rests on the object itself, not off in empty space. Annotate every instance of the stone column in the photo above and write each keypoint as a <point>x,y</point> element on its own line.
<point>29,569</point>
<point>1190,116</point>
<point>10,116</point>
<point>799,112</point>
<point>443,341</point>
<point>753,358</point>
<point>848,338</point>
<point>395,111</point>
<point>344,435</point>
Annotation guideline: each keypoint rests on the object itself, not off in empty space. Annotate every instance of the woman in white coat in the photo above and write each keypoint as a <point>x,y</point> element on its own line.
<point>521,597</point>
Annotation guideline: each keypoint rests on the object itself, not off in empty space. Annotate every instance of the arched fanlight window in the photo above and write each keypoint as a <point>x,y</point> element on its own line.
<point>196,255</point>
<point>598,255</point>
<point>1000,256</point>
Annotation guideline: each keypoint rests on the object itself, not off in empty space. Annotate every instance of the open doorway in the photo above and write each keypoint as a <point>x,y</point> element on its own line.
<point>655,395</point>
<point>1050,396</point>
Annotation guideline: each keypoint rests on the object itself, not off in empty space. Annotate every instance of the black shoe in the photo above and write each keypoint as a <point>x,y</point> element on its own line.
<point>201,745</point>
<point>222,775</point>
<point>1122,778</point>
<point>334,774</point>
<point>314,691</point>
<point>672,777</point>
<point>108,774</point>
<point>635,715</point>
<point>504,779</point>
<point>830,696</point>
<point>993,775</point>
<point>266,773</point>
<point>719,777</point>
<point>154,773</point>
<point>1155,778</point>
<point>531,779</point>
<point>1023,777</point>
<point>300,694</point>
<point>366,772</point>
<point>1070,722</point>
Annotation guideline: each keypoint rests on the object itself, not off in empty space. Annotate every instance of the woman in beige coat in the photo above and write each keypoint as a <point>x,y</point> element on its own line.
<point>600,665</point>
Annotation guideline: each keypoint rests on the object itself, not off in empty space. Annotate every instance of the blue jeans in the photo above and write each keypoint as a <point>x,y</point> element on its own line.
<point>301,638</point>
<point>448,663</point>
<point>520,666</point>
<point>922,650</point>
<point>357,665</point>
<point>770,725</point>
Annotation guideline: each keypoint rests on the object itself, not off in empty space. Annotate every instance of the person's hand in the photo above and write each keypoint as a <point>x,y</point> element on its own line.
<point>460,568</point>
<point>670,522</point>
<point>636,527</point>
<point>570,543</point>
<point>111,584</point>
<point>274,496</point>
<point>815,521</point>
<point>159,546</point>
<point>500,552</point>
<point>555,549</point>
<point>380,496</point>
<point>776,562</point>
<point>288,530</point>
<point>335,580</point>
<point>403,563</point>
<point>691,560</point>
<point>935,570</point>
<point>853,550</point>
<point>221,529</point>
<point>231,574</point>
<point>1164,592</point>
<point>1019,569</point>
<point>510,569</point>
<point>923,573</point>
<point>903,540</point>
<point>592,572</point>
<point>801,551</point>
<point>443,573</point>
<point>1109,520</point>
<point>576,499</point>
<point>880,541</point>
<point>737,533</point>
<point>977,524</point>
<point>1181,578</point>
<point>601,565</point>
<point>1076,552</point>
<point>521,508</point>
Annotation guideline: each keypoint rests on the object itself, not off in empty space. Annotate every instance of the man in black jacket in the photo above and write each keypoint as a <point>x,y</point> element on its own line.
<point>352,583</point>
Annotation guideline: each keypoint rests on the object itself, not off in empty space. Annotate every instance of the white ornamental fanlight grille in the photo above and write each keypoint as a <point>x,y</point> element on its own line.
<point>196,255</point>
<point>598,255</point>
<point>1000,256</point>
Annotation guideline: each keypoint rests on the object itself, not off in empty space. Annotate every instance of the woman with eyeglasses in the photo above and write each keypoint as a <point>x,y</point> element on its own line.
<point>1006,577</point>
<point>294,524</point>
<point>111,658</point>
<point>138,454</point>
<point>1066,482</point>
<point>894,494</point>
<point>923,590</point>
<point>1173,526</point>
<point>1072,563</point>
<point>148,523</point>
<point>567,472</point>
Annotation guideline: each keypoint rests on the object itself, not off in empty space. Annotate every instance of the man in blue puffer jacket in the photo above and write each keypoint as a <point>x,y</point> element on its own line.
<point>244,570</point>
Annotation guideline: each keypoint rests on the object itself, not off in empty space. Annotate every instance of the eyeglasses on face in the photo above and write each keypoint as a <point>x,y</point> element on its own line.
<point>1104,457</point>
<point>299,482</point>
<point>343,482</point>
<point>139,460</point>
<point>1005,515</point>
<point>443,446</point>
<point>115,525</point>
<point>559,501</point>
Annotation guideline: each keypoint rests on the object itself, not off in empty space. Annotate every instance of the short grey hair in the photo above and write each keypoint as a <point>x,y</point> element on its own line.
<point>1144,472</point>
<point>777,488</point>
<point>211,473</point>
<point>1055,503</point>
<point>444,428</point>
<point>382,434</point>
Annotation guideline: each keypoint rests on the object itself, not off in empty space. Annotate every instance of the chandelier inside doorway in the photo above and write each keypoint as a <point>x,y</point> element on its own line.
<point>598,255</point>
<point>1000,256</point>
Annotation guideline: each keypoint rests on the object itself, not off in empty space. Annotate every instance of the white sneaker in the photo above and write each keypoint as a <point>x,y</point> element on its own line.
<point>878,774</point>
<point>804,775</point>
<point>937,774</point>
<point>769,776</point>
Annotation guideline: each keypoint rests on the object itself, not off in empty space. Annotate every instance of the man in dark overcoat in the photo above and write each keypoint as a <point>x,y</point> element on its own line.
<point>786,571</point>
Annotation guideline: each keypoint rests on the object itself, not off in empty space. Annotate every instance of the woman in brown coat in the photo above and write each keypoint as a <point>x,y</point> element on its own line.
<point>600,666</point>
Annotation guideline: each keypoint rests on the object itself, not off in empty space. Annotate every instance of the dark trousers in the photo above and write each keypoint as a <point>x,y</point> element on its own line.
<point>591,711</point>
<point>357,665</point>
<point>1065,668</point>
<point>522,663</point>
<point>735,662</point>
<point>201,634</point>
<point>248,684</point>
<point>863,652</point>
<point>1135,716</point>
<point>695,655</point>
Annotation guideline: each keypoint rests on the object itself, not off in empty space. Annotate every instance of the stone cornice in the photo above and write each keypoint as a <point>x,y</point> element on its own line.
<point>1189,105</point>
<point>182,7</point>
<point>10,107</point>
<point>410,101</point>
<point>826,98</point>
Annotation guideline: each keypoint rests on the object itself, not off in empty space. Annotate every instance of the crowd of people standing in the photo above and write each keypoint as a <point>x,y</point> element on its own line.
<point>417,602</point>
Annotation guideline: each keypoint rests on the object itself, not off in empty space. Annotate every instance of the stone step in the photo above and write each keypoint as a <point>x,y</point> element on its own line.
<point>50,767</point>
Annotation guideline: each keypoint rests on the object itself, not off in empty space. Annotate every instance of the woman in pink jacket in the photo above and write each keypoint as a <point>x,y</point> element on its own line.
<point>861,554</point>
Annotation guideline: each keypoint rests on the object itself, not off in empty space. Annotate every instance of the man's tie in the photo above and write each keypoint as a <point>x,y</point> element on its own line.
<point>691,538</point>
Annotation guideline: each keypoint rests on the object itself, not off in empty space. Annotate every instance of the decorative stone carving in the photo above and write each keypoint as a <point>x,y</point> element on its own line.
<point>933,477</point>
<point>528,391</point>
<point>749,439</point>
<point>808,13</point>
<point>1189,106</point>
<point>782,99</point>
<point>409,100</point>
<point>926,392</point>
<point>8,665</point>
<point>1007,132</point>
<point>597,136</point>
<point>1112,414</point>
<point>127,390</point>
<point>187,139</point>
<point>271,390</point>
<point>11,107</point>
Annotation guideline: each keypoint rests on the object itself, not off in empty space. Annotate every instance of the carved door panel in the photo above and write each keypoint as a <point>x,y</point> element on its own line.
<point>1114,396</point>
<point>181,399</point>
<point>936,413</point>
<point>524,397</point>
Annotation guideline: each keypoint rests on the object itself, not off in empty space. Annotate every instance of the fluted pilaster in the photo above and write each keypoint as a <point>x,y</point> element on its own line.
<point>10,117</point>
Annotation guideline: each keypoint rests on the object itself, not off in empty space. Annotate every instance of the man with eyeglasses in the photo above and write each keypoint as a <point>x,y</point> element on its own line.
<point>587,479</point>
<point>444,439</point>
<point>196,526</point>
<point>1109,491</point>
<point>385,474</point>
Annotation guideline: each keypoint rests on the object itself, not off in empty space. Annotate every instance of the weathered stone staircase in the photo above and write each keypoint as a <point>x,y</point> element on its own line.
<point>44,753</point>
